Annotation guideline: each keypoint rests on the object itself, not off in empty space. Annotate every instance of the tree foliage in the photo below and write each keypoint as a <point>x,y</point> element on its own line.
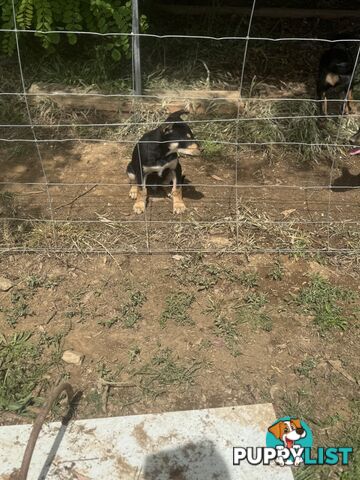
<point>104,16</point>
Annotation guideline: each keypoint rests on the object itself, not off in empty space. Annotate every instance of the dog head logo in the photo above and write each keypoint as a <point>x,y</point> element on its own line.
<point>289,436</point>
<point>288,431</point>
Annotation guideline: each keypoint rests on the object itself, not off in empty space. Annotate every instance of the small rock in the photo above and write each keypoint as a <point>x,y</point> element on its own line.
<point>70,356</point>
<point>5,284</point>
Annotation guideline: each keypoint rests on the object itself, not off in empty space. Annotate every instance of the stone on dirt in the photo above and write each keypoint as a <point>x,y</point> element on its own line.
<point>70,356</point>
<point>5,284</point>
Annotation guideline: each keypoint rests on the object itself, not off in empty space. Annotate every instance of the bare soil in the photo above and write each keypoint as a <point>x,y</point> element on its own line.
<point>89,186</point>
<point>213,359</point>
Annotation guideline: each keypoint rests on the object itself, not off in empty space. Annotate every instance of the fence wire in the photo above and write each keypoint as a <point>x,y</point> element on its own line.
<point>249,224</point>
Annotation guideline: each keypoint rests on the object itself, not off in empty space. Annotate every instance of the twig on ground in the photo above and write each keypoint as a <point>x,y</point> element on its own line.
<point>76,198</point>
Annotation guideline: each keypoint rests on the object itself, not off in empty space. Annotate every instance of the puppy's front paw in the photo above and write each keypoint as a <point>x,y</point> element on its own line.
<point>139,207</point>
<point>133,192</point>
<point>179,207</point>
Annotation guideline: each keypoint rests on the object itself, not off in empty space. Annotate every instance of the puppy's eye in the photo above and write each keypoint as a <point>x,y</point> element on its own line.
<point>286,430</point>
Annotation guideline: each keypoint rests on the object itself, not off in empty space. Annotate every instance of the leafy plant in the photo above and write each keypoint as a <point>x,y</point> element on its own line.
<point>103,16</point>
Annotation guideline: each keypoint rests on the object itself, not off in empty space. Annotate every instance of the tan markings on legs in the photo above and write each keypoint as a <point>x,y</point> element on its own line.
<point>140,204</point>
<point>178,203</point>
<point>134,190</point>
<point>325,104</point>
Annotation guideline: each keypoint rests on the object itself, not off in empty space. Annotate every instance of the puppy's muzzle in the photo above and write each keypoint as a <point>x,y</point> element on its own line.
<point>192,149</point>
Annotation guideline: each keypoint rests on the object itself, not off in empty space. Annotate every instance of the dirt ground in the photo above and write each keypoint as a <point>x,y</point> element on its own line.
<point>184,330</point>
<point>281,205</point>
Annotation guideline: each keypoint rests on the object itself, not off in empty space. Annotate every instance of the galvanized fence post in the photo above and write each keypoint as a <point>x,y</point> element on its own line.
<point>136,49</point>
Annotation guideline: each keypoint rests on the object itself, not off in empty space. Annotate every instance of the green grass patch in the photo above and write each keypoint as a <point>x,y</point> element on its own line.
<point>256,300</point>
<point>326,302</point>
<point>192,271</point>
<point>164,371</point>
<point>212,150</point>
<point>22,372</point>
<point>176,309</point>
<point>225,325</point>
<point>306,367</point>
<point>228,330</point>
<point>249,279</point>
<point>255,318</point>
<point>129,313</point>
<point>18,309</point>
<point>277,272</point>
<point>35,282</point>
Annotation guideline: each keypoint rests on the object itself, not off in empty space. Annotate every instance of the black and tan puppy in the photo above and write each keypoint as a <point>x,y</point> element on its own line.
<point>155,160</point>
<point>335,71</point>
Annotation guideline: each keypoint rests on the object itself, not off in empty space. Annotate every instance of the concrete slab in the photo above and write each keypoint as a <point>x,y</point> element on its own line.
<point>187,445</point>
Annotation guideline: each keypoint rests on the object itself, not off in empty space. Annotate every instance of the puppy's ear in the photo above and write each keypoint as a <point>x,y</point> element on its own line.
<point>275,430</point>
<point>296,422</point>
<point>176,116</point>
<point>167,127</point>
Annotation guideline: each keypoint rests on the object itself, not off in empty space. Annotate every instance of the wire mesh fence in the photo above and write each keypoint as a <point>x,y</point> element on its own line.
<point>64,188</point>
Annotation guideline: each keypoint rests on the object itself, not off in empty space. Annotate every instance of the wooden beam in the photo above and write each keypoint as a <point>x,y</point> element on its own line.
<point>197,101</point>
<point>259,12</point>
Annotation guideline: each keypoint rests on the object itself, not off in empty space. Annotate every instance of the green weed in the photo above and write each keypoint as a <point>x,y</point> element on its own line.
<point>249,279</point>
<point>227,329</point>
<point>255,318</point>
<point>22,372</point>
<point>192,271</point>
<point>19,308</point>
<point>176,309</point>
<point>323,300</point>
<point>129,313</point>
<point>164,371</point>
<point>211,150</point>
<point>277,272</point>
<point>256,300</point>
<point>33,281</point>
<point>306,367</point>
